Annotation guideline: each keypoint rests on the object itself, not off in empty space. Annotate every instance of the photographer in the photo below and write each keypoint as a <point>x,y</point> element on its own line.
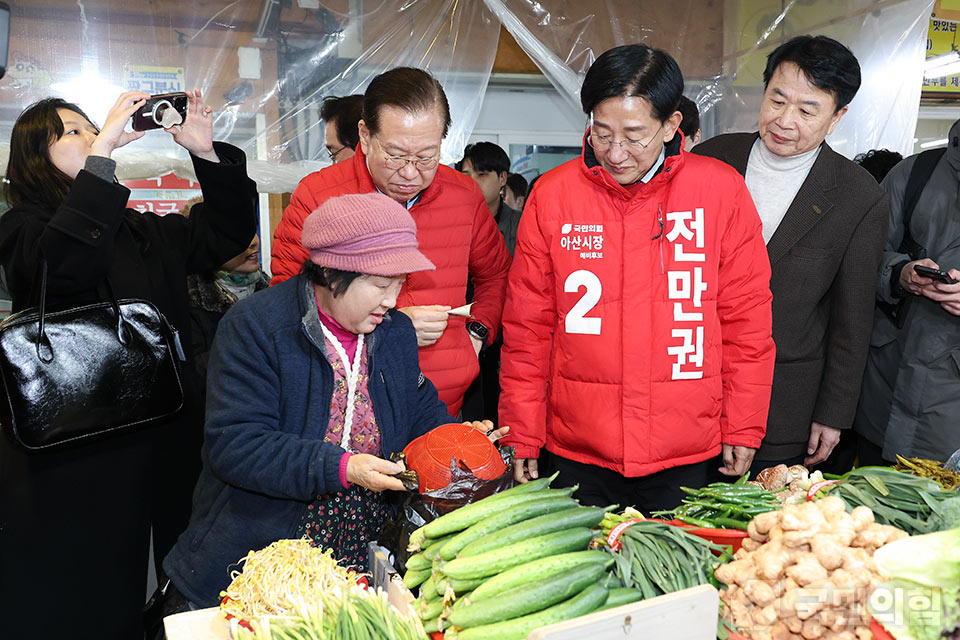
<point>75,521</point>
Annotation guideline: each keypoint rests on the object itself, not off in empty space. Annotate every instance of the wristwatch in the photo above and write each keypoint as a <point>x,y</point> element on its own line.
<point>478,331</point>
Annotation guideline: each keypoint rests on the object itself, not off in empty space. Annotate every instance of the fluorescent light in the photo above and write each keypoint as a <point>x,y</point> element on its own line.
<point>942,71</point>
<point>89,90</point>
<point>934,143</point>
<point>941,60</point>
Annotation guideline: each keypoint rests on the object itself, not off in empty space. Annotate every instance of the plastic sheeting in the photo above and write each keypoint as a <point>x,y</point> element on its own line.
<point>265,64</point>
<point>722,48</point>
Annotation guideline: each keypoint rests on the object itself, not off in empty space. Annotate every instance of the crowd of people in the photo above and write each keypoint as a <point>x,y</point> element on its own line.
<point>658,312</point>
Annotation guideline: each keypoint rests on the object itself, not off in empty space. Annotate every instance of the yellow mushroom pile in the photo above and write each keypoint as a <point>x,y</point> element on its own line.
<point>805,572</point>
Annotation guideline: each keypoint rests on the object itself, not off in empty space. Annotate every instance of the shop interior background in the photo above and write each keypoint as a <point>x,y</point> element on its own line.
<point>511,70</point>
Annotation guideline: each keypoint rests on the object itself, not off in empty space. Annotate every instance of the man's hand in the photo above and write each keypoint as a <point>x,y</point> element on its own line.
<point>374,473</point>
<point>736,460</point>
<point>487,428</point>
<point>822,441</point>
<point>525,470</point>
<point>913,281</point>
<point>477,344</point>
<point>429,321</point>
<point>948,295</point>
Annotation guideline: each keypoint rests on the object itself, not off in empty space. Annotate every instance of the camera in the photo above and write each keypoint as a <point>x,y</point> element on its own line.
<point>150,115</point>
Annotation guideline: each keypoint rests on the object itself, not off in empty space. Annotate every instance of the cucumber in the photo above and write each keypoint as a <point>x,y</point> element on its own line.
<point>459,586</point>
<point>538,570</point>
<point>424,559</point>
<point>418,562</point>
<point>622,596</point>
<point>431,610</point>
<point>414,578</point>
<point>431,626</point>
<point>558,521</point>
<point>587,601</point>
<point>528,598</point>
<point>459,519</point>
<point>502,519</point>
<point>419,536</point>
<point>491,562</point>
<point>428,590</point>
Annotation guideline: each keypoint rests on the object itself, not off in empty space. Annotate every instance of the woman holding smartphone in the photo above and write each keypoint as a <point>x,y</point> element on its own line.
<point>75,522</point>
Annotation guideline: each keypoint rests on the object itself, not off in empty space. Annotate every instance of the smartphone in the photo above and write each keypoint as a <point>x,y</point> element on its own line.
<point>934,274</point>
<point>150,115</point>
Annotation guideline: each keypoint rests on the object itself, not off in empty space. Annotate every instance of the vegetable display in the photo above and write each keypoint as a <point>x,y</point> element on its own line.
<point>805,572</point>
<point>657,558</point>
<point>922,602</point>
<point>933,469</point>
<point>510,563</point>
<point>281,577</point>
<point>342,614</point>
<point>722,505</point>
<point>291,590</point>
<point>916,505</point>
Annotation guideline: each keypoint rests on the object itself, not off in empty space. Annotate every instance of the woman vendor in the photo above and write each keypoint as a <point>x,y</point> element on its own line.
<point>312,385</point>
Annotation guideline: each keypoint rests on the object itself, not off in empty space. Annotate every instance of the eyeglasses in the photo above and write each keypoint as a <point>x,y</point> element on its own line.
<point>333,153</point>
<point>399,162</point>
<point>633,147</point>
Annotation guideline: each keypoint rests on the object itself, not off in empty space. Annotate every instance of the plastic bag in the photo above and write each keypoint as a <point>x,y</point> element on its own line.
<point>417,509</point>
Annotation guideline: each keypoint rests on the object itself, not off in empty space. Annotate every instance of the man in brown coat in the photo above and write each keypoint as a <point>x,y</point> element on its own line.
<point>824,221</point>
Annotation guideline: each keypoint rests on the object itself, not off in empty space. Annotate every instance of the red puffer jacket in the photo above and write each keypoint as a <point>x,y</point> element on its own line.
<point>637,329</point>
<point>455,231</point>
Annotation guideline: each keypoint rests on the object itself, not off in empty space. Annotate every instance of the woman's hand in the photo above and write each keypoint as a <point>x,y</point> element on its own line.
<point>196,133</point>
<point>113,135</point>
<point>487,428</point>
<point>374,473</point>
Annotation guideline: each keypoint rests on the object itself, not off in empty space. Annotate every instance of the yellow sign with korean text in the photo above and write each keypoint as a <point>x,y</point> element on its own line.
<point>941,39</point>
<point>153,79</point>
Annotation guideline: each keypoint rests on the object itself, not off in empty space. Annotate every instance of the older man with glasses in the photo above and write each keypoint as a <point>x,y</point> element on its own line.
<point>405,118</point>
<point>637,330</point>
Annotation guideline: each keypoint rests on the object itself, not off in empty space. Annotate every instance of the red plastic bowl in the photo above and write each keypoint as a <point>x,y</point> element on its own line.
<point>732,537</point>
<point>430,454</point>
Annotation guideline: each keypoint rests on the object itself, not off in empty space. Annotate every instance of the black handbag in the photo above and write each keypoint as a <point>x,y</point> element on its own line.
<point>85,371</point>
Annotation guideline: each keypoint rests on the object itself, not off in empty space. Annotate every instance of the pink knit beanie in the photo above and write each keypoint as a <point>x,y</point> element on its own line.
<point>364,232</point>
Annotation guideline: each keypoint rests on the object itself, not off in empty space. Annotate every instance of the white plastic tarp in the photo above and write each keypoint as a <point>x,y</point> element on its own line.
<point>265,64</point>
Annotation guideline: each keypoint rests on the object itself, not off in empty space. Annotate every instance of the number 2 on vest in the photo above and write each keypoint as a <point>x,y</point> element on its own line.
<point>575,321</point>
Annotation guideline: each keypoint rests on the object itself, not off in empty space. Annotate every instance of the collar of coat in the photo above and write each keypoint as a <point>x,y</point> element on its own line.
<point>210,296</point>
<point>310,319</point>
<point>672,162</point>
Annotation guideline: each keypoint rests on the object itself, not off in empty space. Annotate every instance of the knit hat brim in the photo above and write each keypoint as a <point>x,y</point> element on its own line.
<point>398,262</point>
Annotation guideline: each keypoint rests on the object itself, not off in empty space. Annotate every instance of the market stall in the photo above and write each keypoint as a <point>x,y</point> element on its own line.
<point>872,553</point>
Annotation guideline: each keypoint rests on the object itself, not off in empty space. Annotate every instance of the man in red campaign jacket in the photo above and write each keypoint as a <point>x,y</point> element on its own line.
<point>405,118</point>
<point>637,328</point>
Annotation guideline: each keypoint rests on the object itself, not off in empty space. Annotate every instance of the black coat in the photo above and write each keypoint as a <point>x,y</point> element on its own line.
<point>824,258</point>
<point>76,521</point>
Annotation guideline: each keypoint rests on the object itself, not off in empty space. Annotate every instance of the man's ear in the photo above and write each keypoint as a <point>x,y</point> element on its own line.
<point>671,125</point>
<point>836,119</point>
<point>364,137</point>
